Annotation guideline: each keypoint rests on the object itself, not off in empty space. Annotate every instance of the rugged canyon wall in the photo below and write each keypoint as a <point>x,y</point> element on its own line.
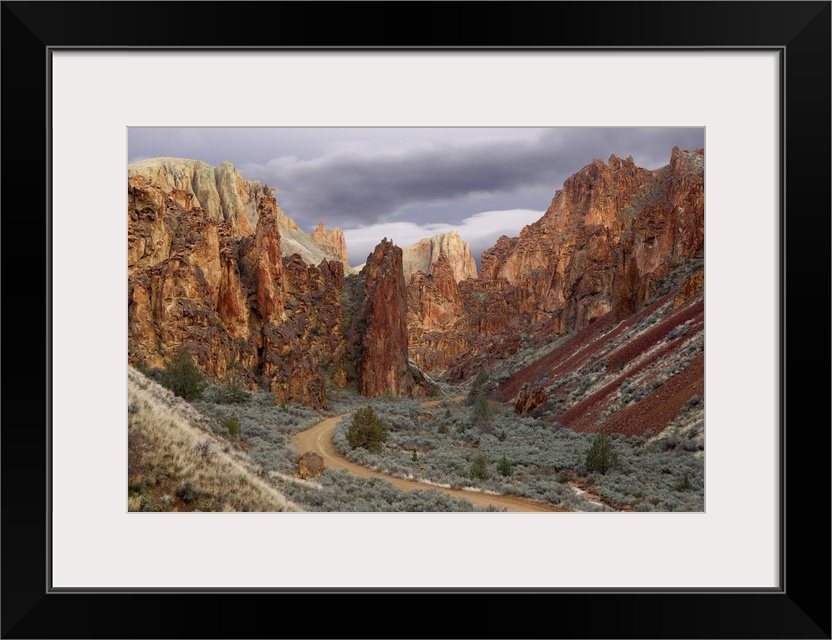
<point>215,264</point>
<point>224,195</point>
<point>609,238</point>
<point>236,301</point>
<point>221,192</point>
<point>231,302</point>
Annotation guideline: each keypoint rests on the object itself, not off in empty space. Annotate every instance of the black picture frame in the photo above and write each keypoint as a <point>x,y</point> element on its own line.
<point>799,31</point>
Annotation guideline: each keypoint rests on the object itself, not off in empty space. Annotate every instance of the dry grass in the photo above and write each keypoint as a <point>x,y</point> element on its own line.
<point>174,464</point>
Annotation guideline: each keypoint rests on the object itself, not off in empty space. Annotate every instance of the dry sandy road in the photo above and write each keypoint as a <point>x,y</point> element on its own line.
<point>319,439</point>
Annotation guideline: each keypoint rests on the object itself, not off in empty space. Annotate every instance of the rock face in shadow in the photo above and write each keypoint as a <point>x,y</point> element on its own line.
<point>609,238</point>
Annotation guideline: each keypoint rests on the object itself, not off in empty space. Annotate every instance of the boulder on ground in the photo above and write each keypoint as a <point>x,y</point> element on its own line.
<point>310,465</point>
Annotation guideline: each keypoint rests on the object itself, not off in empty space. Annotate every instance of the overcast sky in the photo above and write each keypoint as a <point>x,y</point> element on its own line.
<point>412,183</point>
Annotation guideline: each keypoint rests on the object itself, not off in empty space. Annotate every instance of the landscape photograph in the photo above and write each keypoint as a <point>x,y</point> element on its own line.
<point>416,319</point>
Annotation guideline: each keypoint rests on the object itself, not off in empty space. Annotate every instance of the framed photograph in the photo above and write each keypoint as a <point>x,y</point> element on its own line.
<point>753,77</point>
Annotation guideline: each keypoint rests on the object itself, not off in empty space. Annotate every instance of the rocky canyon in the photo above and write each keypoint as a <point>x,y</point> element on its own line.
<point>216,265</point>
<point>208,268</point>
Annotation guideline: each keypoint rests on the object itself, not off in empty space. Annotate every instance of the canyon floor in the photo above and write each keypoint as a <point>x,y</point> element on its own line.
<point>319,440</point>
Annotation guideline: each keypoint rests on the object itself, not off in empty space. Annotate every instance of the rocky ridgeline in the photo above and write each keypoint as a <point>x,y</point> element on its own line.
<point>607,240</point>
<point>224,195</point>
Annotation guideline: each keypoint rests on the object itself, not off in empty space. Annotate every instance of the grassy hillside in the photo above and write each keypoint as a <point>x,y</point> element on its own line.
<point>175,464</point>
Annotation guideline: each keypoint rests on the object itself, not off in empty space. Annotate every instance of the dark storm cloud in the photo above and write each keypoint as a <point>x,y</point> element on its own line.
<point>356,177</point>
<point>355,187</point>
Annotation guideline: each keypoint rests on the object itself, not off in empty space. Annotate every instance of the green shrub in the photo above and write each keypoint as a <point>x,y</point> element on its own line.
<point>481,411</point>
<point>232,393</point>
<point>232,423</point>
<point>684,484</point>
<point>183,377</point>
<point>367,430</point>
<point>504,467</point>
<point>601,457</point>
<point>188,492</point>
<point>479,467</point>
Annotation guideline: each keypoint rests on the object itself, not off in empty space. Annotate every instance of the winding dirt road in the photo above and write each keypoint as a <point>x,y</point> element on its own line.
<point>319,439</point>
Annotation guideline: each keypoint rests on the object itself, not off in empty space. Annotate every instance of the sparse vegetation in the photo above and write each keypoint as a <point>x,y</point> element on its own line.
<point>544,459</point>
<point>231,392</point>
<point>172,465</point>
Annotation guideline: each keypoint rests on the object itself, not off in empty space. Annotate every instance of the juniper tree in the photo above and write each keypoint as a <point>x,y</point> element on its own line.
<point>601,457</point>
<point>479,467</point>
<point>183,377</point>
<point>367,430</point>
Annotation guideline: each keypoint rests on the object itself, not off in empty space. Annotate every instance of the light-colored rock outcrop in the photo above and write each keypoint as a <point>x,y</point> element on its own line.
<point>332,239</point>
<point>427,252</point>
<point>225,195</point>
<point>220,191</point>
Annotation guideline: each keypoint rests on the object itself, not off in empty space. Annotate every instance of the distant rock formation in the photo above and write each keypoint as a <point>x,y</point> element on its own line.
<point>332,240</point>
<point>214,263</point>
<point>436,319</point>
<point>606,242</point>
<point>427,252</point>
